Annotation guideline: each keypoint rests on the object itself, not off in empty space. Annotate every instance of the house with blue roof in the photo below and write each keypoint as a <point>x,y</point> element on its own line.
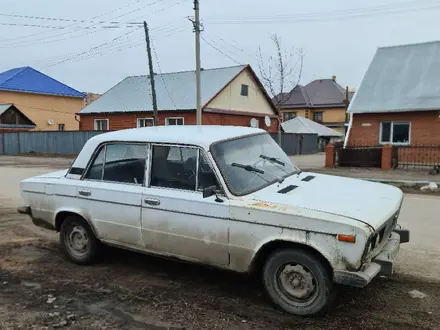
<point>47,103</point>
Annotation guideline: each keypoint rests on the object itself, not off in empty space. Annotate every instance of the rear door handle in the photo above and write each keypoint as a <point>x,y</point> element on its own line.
<point>85,193</point>
<point>152,201</point>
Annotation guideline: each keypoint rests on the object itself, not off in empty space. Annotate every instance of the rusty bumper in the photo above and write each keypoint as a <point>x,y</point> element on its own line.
<point>382,264</point>
<point>37,222</point>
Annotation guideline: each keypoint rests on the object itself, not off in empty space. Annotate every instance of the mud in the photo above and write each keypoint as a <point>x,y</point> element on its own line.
<point>39,289</point>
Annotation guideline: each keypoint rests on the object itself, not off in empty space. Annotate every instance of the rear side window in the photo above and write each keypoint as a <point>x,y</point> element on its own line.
<point>124,163</point>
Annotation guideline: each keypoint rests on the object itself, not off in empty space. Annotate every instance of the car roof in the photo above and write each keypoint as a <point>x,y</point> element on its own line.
<point>202,136</point>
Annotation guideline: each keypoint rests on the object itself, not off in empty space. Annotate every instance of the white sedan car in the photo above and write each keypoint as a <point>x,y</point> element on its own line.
<point>228,197</point>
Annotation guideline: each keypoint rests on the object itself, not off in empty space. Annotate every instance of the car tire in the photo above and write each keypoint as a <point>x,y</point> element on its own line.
<point>78,242</point>
<point>298,282</point>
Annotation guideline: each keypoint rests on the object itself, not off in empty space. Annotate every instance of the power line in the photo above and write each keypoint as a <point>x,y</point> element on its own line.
<point>331,15</point>
<point>73,24</point>
<point>161,75</point>
<point>63,27</point>
<point>91,49</point>
<point>81,28</point>
<point>99,52</point>
<point>66,19</point>
<point>220,51</point>
<point>160,28</point>
<point>26,43</point>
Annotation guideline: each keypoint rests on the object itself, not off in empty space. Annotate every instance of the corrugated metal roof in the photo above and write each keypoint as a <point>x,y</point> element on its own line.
<point>301,125</point>
<point>174,91</point>
<point>29,80</point>
<point>401,78</point>
<point>4,107</point>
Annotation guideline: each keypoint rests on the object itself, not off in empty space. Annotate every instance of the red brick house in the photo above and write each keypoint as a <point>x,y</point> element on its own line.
<point>230,96</point>
<point>398,101</point>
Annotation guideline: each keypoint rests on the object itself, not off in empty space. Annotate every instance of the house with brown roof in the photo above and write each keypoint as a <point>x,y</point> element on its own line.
<point>323,101</point>
<point>230,96</point>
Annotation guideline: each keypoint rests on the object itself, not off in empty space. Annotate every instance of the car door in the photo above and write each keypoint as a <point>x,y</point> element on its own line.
<point>176,219</point>
<point>111,192</point>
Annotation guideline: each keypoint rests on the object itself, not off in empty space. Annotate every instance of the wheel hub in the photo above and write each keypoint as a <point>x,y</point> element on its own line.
<point>78,239</point>
<point>297,281</point>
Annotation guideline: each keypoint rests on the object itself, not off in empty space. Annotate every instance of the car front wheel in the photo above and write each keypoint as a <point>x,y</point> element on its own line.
<point>78,241</point>
<point>298,282</point>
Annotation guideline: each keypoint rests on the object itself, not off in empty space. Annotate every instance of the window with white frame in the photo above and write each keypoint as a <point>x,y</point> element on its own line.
<point>395,132</point>
<point>174,121</point>
<point>101,124</point>
<point>145,122</point>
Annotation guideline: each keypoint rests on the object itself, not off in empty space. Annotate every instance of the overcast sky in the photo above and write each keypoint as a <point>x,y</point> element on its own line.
<point>339,37</point>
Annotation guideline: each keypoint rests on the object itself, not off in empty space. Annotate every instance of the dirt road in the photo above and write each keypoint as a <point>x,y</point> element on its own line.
<point>39,289</point>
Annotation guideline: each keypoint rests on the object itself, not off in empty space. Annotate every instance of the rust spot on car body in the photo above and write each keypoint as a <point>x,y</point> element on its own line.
<point>264,205</point>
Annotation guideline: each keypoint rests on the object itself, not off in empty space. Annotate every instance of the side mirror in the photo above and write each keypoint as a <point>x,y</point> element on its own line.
<point>209,191</point>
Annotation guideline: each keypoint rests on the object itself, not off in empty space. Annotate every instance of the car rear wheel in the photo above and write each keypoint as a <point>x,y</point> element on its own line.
<point>298,282</point>
<point>78,242</point>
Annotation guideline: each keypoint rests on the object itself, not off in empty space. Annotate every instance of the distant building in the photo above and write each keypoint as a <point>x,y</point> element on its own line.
<point>91,97</point>
<point>398,101</point>
<point>230,96</point>
<point>46,102</point>
<point>323,101</point>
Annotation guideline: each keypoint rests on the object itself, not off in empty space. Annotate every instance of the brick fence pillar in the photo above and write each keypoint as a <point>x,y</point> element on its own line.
<point>329,155</point>
<point>387,153</point>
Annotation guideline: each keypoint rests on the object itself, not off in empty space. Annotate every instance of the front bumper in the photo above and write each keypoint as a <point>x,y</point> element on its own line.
<point>382,264</point>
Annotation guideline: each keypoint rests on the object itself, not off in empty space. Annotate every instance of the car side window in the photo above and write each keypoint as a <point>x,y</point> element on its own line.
<point>124,163</point>
<point>174,167</point>
<point>206,174</point>
<point>95,170</point>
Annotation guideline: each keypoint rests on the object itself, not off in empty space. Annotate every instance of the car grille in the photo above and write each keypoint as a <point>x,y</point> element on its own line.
<point>382,234</point>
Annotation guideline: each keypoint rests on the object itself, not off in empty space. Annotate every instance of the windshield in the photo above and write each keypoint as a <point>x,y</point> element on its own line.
<point>251,163</point>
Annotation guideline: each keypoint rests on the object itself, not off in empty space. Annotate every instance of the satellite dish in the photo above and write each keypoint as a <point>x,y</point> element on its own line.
<point>254,122</point>
<point>267,121</point>
<point>50,122</point>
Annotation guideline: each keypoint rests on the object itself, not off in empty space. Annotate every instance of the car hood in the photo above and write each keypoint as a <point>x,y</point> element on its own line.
<point>369,202</point>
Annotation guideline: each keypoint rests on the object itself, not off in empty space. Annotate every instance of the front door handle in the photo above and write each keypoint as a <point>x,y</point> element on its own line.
<point>85,193</point>
<point>152,201</point>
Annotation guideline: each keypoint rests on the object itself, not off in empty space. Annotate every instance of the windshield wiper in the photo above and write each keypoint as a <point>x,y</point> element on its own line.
<point>277,161</point>
<point>273,160</point>
<point>248,168</point>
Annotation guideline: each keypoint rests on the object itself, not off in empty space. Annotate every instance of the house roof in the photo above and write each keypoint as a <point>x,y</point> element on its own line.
<point>29,80</point>
<point>401,78</point>
<point>301,125</point>
<point>4,107</point>
<point>174,91</point>
<point>319,93</point>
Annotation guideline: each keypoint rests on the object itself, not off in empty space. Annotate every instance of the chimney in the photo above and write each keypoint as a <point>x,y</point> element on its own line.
<point>334,78</point>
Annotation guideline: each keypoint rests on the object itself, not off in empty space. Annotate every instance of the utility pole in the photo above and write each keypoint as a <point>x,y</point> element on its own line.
<point>198,80</point>
<point>150,65</point>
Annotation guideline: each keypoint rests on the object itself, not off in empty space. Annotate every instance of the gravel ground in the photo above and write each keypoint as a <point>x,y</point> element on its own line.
<point>39,289</point>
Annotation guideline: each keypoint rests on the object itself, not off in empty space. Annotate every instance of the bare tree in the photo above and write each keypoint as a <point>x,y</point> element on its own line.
<point>280,73</point>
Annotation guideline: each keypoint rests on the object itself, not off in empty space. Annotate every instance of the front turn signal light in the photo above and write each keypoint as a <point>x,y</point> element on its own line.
<point>347,238</point>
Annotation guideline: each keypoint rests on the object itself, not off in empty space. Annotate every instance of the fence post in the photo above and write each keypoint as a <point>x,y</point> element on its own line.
<point>387,157</point>
<point>330,155</point>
